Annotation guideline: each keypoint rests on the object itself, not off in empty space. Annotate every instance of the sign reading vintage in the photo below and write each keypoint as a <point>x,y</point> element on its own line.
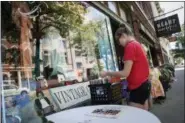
<point>67,96</point>
<point>167,26</point>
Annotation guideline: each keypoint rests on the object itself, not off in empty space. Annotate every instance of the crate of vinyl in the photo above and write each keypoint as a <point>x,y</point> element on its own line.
<point>104,92</point>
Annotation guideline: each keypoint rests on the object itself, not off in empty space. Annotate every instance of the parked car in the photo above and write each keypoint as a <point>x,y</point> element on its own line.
<point>10,90</point>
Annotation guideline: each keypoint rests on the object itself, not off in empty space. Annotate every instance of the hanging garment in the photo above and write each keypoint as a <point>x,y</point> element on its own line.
<point>157,88</point>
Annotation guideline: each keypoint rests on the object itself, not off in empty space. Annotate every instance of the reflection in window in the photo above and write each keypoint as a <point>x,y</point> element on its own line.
<point>63,55</point>
<point>112,6</point>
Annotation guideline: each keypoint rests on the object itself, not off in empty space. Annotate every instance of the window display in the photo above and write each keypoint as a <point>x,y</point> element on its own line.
<point>55,49</point>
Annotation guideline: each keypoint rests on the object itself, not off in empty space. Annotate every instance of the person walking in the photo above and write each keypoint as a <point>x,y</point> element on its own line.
<point>136,68</point>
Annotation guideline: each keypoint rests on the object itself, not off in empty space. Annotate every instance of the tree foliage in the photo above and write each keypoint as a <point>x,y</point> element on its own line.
<point>85,38</point>
<point>64,16</point>
<point>86,41</point>
<point>180,51</point>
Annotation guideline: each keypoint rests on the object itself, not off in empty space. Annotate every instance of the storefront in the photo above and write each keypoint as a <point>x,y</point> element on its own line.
<point>61,59</point>
<point>77,57</point>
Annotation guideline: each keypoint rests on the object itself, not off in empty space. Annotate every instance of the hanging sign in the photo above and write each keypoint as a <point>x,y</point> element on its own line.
<point>167,26</point>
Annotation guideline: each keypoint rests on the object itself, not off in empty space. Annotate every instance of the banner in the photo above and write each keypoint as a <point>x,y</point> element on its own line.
<point>67,96</point>
<point>167,26</point>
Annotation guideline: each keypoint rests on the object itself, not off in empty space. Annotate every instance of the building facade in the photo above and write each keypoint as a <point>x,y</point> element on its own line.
<point>138,18</point>
<point>85,51</point>
<point>102,51</point>
<point>164,41</point>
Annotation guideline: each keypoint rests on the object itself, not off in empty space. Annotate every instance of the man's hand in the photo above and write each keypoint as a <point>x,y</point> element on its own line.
<point>103,74</point>
<point>124,73</point>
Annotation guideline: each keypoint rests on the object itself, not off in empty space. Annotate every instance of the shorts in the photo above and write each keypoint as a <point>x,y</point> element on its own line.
<point>141,94</point>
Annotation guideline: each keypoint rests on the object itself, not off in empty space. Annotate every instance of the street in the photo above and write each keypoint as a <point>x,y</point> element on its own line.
<point>172,110</point>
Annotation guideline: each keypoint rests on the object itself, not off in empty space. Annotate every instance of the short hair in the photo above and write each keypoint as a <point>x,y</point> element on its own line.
<point>122,30</point>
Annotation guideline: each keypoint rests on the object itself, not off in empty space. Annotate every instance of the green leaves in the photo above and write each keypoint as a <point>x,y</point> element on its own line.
<point>167,71</point>
<point>180,51</point>
<point>64,16</point>
<point>165,75</point>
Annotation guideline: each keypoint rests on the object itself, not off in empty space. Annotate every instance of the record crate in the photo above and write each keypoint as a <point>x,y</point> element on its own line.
<point>105,93</point>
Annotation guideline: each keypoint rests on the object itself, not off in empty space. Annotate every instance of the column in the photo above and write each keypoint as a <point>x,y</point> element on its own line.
<point>19,78</point>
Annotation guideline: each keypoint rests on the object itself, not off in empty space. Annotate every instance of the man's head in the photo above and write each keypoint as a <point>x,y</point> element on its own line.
<point>40,94</point>
<point>122,35</point>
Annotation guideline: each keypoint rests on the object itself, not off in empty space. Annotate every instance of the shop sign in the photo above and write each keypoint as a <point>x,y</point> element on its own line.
<point>167,26</point>
<point>67,96</point>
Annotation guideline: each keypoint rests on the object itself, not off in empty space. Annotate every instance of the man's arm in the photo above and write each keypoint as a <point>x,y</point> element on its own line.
<point>125,72</point>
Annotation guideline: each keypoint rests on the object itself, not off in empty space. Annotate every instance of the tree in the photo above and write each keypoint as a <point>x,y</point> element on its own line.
<point>86,41</point>
<point>64,16</point>
<point>180,44</point>
<point>93,40</point>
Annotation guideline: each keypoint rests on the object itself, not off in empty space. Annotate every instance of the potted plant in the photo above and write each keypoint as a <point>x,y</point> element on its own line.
<point>165,79</point>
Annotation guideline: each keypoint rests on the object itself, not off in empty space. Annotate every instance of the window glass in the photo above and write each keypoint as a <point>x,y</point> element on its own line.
<point>72,45</point>
<point>112,6</point>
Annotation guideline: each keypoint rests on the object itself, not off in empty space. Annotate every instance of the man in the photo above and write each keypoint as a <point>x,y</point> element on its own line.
<point>43,104</point>
<point>136,68</point>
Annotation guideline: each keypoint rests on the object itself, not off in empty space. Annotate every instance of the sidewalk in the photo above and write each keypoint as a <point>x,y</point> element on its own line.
<point>172,110</point>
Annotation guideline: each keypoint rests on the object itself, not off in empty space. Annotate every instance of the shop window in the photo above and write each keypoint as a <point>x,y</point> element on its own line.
<point>79,65</point>
<point>37,64</point>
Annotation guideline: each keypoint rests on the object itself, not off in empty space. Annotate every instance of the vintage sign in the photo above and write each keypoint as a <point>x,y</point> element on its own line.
<point>167,26</point>
<point>71,95</point>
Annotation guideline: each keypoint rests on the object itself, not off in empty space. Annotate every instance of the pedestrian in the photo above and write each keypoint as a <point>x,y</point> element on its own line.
<point>43,104</point>
<point>136,68</point>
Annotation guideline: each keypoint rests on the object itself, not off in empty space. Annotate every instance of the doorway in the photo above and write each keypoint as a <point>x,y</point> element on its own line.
<point>118,48</point>
<point>154,56</point>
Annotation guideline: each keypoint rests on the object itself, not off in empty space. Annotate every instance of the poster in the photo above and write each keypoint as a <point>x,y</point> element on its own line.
<point>106,112</point>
